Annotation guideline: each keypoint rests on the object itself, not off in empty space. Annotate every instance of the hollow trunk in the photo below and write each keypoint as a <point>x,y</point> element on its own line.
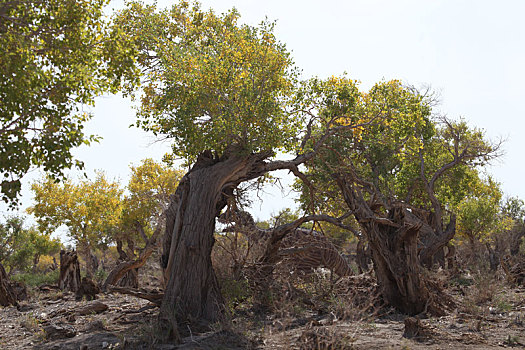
<point>7,293</point>
<point>192,292</point>
<point>69,279</point>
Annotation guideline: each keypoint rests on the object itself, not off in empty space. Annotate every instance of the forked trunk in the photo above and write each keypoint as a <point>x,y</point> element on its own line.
<point>393,242</point>
<point>192,292</point>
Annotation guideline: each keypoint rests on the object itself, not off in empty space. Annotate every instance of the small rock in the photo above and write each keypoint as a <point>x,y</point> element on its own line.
<point>95,326</point>
<point>104,344</point>
<point>58,332</point>
<point>23,307</point>
<point>93,307</point>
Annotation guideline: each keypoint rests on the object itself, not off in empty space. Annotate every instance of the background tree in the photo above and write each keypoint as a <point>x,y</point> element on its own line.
<point>90,210</point>
<point>395,176</point>
<point>482,220</point>
<point>149,191</point>
<point>56,56</point>
<point>21,247</point>
<point>514,208</point>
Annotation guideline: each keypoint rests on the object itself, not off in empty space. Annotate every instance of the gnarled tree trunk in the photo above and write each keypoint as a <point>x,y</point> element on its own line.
<point>393,240</point>
<point>192,291</point>
<point>69,279</point>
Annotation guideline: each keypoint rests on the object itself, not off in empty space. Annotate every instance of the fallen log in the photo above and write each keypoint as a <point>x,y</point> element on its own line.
<point>153,296</point>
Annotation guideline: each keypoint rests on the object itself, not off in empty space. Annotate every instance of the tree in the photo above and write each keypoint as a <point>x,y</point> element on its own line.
<point>482,220</point>
<point>142,220</point>
<point>514,208</point>
<point>57,55</point>
<point>90,210</point>
<point>397,177</point>
<point>21,247</point>
<point>213,85</point>
<point>225,94</point>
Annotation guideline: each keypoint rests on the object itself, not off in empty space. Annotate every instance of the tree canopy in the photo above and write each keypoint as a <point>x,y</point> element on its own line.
<point>56,56</point>
<point>210,82</point>
<point>90,210</point>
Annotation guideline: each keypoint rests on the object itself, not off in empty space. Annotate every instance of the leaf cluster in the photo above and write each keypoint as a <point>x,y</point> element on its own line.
<point>56,57</point>
<point>209,82</point>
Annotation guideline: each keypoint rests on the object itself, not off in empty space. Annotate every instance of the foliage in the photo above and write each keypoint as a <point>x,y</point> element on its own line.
<point>54,59</point>
<point>401,153</point>
<point>21,248</point>
<point>210,82</point>
<point>480,214</point>
<point>37,279</point>
<point>149,191</point>
<point>90,209</point>
<point>514,208</point>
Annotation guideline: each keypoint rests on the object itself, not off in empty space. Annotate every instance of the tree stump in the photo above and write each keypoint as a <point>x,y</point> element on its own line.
<point>69,279</point>
<point>88,289</point>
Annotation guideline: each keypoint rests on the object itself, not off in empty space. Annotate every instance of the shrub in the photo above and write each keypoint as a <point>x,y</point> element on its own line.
<point>37,279</point>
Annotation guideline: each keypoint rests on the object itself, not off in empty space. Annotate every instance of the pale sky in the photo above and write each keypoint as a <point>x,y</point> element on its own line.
<point>471,52</point>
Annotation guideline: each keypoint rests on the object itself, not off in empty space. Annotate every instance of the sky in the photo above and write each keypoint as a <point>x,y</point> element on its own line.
<point>471,52</point>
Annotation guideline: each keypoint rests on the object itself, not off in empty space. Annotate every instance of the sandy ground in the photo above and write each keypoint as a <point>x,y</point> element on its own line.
<point>51,320</point>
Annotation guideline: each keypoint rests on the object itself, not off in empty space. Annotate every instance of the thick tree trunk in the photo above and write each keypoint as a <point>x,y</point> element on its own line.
<point>192,292</point>
<point>393,241</point>
<point>69,279</point>
<point>397,267</point>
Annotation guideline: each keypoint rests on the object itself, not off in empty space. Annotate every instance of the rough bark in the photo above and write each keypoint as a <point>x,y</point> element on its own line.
<point>393,240</point>
<point>7,293</point>
<point>69,279</point>
<point>192,292</point>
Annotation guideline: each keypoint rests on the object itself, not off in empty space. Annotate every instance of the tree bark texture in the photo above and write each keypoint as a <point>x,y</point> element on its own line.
<point>192,292</point>
<point>7,293</point>
<point>69,279</point>
<point>393,241</point>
